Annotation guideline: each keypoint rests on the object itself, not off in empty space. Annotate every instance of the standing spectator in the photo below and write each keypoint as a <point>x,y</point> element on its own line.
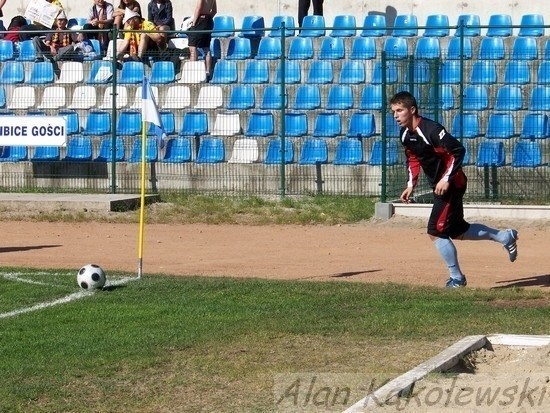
<point>160,12</point>
<point>2,2</point>
<point>118,14</point>
<point>36,27</point>
<point>203,19</point>
<point>141,37</point>
<point>100,16</point>
<point>303,9</point>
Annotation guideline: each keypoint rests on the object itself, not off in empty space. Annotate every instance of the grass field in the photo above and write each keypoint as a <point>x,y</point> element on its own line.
<point>189,344</point>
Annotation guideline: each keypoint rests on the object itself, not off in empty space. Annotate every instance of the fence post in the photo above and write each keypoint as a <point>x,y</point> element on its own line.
<point>282,190</point>
<point>114,33</point>
<point>383,195</point>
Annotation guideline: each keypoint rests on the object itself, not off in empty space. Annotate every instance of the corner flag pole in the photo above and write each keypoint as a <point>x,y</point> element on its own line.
<point>142,198</point>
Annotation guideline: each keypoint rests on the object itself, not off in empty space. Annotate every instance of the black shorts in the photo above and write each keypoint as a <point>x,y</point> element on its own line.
<point>201,39</point>
<point>447,216</point>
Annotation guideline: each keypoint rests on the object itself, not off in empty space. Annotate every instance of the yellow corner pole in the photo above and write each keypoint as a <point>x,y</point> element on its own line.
<point>142,199</point>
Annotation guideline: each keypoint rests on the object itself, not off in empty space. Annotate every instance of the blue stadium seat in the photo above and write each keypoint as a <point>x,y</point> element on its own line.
<point>132,73</point>
<point>194,123</point>
<point>276,25</point>
<point>308,97</point>
<point>73,121</point>
<point>162,73</point>
<point>293,72</point>
<point>531,25</point>
<point>484,72</point>
<point>79,148</point>
<point>6,50</point>
<point>343,26</point>
<point>76,21</point>
<point>543,73</point>
<point>239,48</point>
<point>260,124</point>
<point>361,125</point>
<point>269,49</point>
<point>420,72</point>
<point>256,72</point>
<point>540,98</point>
<point>340,97</point>
<point>168,121</point>
<point>391,153</point>
<point>392,128</point>
<point>352,72</point>
<point>509,97</point>
<point>427,48</point>
<point>332,48</point>
<point>442,97</point>
<point>391,73</point>
<point>27,52</point>
<point>225,72</point>
<point>97,49</point>
<point>465,126</point>
<point>215,49</point>
<point>2,97</point>
<point>535,126</point>
<point>491,153</point>
<point>105,150</point>
<point>500,25</point>
<point>500,126</point>
<point>273,155</point>
<point>491,48</point>
<point>468,25</point>
<point>272,98</point>
<point>98,122</point>
<point>46,154</point>
<point>349,151</point>
<point>327,125</point>
<point>527,154</point>
<point>371,98</point>
<point>314,151</point>
<point>100,72</point>
<point>129,123</point>
<point>363,48</point>
<point>14,154</point>
<point>374,25</point>
<point>476,97</point>
<point>242,97</point>
<point>301,48</point>
<point>41,73</point>
<point>211,150</point>
<point>313,26</point>
<point>151,150</point>
<point>12,72</point>
<point>296,124</point>
<point>517,72</point>
<point>396,48</point>
<point>437,25</point>
<point>320,71</point>
<point>525,48</point>
<point>252,27</point>
<point>178,150</point>
<point>405,25</point>
<point>459,48</point>
<point>224,26</point>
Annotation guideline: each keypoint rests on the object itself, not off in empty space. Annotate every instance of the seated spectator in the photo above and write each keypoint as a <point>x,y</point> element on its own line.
<point>160,12</point>
<point>140,38</point>
<point>54,41</point>
<point>119,12</point>
<point>14,27</point>
<point>100,16</point>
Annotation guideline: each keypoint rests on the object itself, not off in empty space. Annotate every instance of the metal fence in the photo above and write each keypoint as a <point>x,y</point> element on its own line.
<point>286,112</point>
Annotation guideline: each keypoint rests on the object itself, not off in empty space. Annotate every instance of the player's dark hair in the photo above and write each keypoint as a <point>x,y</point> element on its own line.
<point>404,98</point>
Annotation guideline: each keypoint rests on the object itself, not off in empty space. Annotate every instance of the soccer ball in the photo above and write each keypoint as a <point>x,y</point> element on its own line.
<point>91,277</point>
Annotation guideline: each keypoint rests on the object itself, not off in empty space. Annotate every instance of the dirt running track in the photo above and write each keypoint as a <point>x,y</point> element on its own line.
<point>394,251</point>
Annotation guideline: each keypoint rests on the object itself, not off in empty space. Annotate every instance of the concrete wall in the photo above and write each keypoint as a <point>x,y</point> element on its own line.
<point>268,9</point>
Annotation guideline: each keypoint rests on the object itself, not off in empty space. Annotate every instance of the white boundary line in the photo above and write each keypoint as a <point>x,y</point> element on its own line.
<point>13,276</point>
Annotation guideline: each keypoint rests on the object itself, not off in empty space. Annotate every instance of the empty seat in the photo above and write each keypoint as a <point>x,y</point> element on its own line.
<point>340,97</point>
<point>276,26</point>
<point>215,50</point>
<point>211,150</point>
<point>535,126</point>
<point>441,97</point>
<point>352,72</point>
<point>389,70</point>
<point>500,25</point>
<point>314,151</point>
<point>132,73</point>
<point>225,71</point>
<point>483,72</point>
<point>509,97</point>
<point>363,48</point>
<point>301,48</point>
<point>120,101</point>
<point>12,72</point>
<point>405,25</point>
<point>151,150</point>
<point>491,153</point>
<point>459,48</point>
<point>307,97</point>
<point>176,97</point>
<point>543,73</point>
<point>101,72</point>
<point>14,153</point>
<point>138,96</point>
<point>517,72</point>
<point>227,124</point>
<point>376,157</point>
<point>313,26</point>
<point>27,52</point>
<point>79,148</point>
<point>327,125</point>
<point>244,151</point>
<point>374,25</point>
<point>465,126</point>
<point>296,124</point>
<point>320,71</point>
<point>193,72</point>
<point>168,122</point>
<point>22,98</point>
<point>84,97</point>
<point>468,25</point>
<point>260,124</point>
<point>269,49</point>
<point>97,123</point>
<point>53,98</point>
<point>72,72</point>
<point>41,73</point>
<point>46,154</point>
<point>252,27</point>
<point>178,150</point>
<point>361,125</point>
<point>418,72</point>
<point>106,150</point>
<point>349,151</point>
<point>194,123</point>
<point>256,72</point>
<point>540,98</point>
<point>292,73</point>
<point>491,48</point>
<point>239,48</point>
<point>437,25</point>
<point>500,126</point>
<point>273,98</point>
<point>525,48</point>
<point>162,73</point>
<point>129,122</point>
<point>531,25</point>
<point>332,48</point>
<point>274,154</point>
<point>427,48</point>
<point>224,26</point>
<point>476,97</point>
<point>2,97</point>
<point>6,50</point>
<point>392,128</point>
<point>210,97</point>
<point>242,97</point>
<point>72,119</point>
<point>527,154</point>
<point>371,98</point>
<point>343,26</point>
<point>396,48</point>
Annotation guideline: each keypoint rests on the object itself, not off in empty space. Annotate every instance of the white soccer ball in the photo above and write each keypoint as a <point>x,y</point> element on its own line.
<point>91,277</point>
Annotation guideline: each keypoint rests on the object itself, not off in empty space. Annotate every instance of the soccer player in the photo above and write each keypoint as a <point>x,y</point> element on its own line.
<point>430,147</point>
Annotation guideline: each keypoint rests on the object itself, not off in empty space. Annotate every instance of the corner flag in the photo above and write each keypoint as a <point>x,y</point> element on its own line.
<point>149,110</point>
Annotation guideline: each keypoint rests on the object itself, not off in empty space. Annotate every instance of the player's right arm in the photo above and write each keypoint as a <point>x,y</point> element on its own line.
<point>413,169</point>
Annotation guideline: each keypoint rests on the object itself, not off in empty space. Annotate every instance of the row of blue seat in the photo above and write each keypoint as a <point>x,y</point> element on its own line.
<point>25,51</point>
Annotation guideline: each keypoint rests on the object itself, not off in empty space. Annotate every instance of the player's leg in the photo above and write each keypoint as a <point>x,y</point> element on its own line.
<point>508,238</point>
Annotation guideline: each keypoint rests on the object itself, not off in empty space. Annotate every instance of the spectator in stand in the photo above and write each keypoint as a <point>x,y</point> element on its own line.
<point>100,16</point>
<point>37,27</point>
<point>303,9</point>
<point>13,29</point>
<point>142,37</point>
<point>2,2</point>
<point>160,12</point>
<point>119,12</point>
<point>203,19</point>
<point>54,41</point>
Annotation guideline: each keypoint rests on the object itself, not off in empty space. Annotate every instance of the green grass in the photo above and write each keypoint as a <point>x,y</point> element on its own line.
<point>185,344</point>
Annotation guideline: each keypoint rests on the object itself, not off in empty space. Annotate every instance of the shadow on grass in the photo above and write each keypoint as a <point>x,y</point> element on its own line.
<point>113,287</point>
<point>531,281</point>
